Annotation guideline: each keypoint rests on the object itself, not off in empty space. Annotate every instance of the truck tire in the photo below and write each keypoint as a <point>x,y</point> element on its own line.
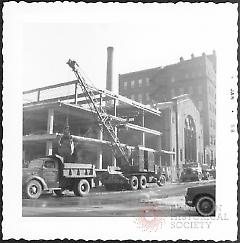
<point>33,189</point>
<point>82,188</point>
<point>59,193</point>
<point>133,183</point>
<point>162,180</point>
<point>205,206</point>
<point>142,182</point>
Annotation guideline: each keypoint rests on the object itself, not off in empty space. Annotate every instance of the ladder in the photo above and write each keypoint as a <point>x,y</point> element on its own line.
<point>103,117</point>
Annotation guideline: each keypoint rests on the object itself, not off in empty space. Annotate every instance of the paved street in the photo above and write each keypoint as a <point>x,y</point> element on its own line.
<point>154,201</point>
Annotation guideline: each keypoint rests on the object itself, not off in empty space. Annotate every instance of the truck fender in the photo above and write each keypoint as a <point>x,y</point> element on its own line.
<point>38,178</point>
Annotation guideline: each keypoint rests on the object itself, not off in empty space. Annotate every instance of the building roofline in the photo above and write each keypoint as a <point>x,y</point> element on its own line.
<point>170,103</point>
<point>144,70</point>
<point>195,58</point>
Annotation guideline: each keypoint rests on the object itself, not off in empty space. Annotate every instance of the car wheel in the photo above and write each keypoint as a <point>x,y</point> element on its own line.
<point>205,206</point>
<point>162,180</point>
<point>82,188</point>
<point>133,183</point>
<point>142,182</point>
<point>33,189</point>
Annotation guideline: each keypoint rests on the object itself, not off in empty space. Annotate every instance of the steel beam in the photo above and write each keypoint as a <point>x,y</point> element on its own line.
<point>107,93</point>
<point>142,129</point>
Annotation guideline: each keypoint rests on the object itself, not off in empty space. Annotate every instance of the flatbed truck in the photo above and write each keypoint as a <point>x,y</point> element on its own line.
<point>143,168</point>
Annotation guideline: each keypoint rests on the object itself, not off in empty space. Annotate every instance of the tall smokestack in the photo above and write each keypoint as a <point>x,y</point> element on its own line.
<point>109,79</point>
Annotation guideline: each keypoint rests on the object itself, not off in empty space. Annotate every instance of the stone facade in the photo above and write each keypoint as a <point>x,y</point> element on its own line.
<point>185,109</point>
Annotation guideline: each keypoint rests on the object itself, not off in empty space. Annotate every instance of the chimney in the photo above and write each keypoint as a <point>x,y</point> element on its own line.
<point>181,59</point>
<point>109,79</point>
<point>192,56</point>
<point>214,52</point>
<point>203,54</point>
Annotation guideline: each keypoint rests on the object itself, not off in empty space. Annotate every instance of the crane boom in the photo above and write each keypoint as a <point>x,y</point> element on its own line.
<point>103,117</point>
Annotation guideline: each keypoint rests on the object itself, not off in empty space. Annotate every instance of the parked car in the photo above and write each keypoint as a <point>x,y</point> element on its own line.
<point>202,198</point>
<point>191,172</point>
<point>208,172</point>
<point>212,173</point>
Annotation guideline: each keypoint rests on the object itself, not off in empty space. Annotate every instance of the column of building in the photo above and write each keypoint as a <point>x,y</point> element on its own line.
<point>143,133</point>
<point>50,121</point>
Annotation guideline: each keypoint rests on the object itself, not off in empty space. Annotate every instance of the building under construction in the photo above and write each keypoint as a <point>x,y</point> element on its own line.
<point>46,111</point>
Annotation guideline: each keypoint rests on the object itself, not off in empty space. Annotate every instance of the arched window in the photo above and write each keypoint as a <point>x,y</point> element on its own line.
<point>190,140</point>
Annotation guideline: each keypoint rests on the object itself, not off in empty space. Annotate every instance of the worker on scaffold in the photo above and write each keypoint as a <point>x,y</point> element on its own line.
<point>66,145</point>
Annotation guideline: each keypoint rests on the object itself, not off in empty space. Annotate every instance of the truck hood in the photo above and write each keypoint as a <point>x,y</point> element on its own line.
<point>27,172</point>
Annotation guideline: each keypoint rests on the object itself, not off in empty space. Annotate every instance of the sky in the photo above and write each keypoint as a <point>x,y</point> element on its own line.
<point>143,36</point>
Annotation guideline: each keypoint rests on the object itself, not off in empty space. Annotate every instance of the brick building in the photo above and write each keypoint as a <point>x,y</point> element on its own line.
<point>196,77</point>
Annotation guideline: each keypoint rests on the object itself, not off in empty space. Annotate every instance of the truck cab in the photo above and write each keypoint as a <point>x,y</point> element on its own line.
<point>41,174</point>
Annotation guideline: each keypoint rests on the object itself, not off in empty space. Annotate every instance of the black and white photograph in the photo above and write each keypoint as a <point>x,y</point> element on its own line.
<point>120,121</point>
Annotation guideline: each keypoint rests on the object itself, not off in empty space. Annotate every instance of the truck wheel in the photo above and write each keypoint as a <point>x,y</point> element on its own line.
<point>205,206</point>
<point>142,182</point>
<point>162,180</point>
<point>58,193</point>
<point>133,183</point>
<point>82,188</point>
<point>33,189</point>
